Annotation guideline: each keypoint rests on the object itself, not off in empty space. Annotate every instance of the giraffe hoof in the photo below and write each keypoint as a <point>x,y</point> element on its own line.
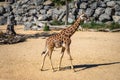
<point>41,69</point>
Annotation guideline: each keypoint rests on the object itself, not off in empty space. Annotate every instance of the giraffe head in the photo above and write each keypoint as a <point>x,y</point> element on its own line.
<point>83,17</point>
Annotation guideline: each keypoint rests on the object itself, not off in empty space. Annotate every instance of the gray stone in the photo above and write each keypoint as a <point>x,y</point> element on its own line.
<point>99,11</point>
<point>61,16</point>
<point>48,3</point>
<point>117,7</point>
<point>19,11</point>
<point>117,13</point>
<point>27,25</point>
<point>102,4</point>
<point>70,20</point>
<point>109,11</point>
<point>6,14</point>
<point>2,10</point>
<point>8,8</point>
<point>83,5</point>
<point>3,20</point>
<point>104,17</point>
<point>94,5</point>
<point>118,2</point>
<point>38,2</point>
<point>57,12</point>
<point>50,12</point>
<point>24,19</point>
<point>24,1</point>
<point>89,12</point>
<point>106,1</point>
<point>42,17</point>
<point>111,3</point>
<point>33,11</point>
<point>81,11</point>
<point>43,11</point>
<point>116,19</point>
<point>47,7</point>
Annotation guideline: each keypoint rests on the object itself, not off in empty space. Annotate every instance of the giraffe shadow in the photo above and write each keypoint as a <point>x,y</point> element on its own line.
<point>88,66</point>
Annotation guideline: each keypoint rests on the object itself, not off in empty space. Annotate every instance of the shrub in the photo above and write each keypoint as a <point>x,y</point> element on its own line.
<point>46,28</point>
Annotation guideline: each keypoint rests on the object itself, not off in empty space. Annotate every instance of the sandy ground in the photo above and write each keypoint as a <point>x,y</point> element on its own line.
<point>96,56</point>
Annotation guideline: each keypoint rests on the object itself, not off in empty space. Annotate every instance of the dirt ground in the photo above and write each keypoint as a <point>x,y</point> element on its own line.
<point>96,56</point>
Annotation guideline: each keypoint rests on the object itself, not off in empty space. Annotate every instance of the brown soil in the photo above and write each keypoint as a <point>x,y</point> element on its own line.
<point>96,56</point>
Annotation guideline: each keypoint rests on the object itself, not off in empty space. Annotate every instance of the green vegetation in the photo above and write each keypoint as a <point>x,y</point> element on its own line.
<point>46,28</point>
<point>93,25</point>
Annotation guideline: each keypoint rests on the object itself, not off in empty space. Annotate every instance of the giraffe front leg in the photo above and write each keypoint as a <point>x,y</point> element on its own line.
<point>62,54</point>
<point>50,54</point>
<point>70,57</point>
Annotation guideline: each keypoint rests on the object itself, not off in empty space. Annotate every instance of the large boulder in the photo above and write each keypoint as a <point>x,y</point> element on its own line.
<point>117,7</point>
<point>117,13</point>
<point>104,17</point>
<point>2,10</point>
<point>116,19</point>
<point>27,25</point>
<point>111,3</point>
<point>99,11</point>
<point>94,5</point>
<point>89,12</point>
<point>83,5</point>
<point>3,20</point>
<point>109,11</point>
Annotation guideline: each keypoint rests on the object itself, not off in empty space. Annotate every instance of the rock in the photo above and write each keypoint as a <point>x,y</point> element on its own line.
<point>33,11</point>
<point>94,5</point>
<point>3,20</point>
<point>57,11</point>
<point>116,19</point>
<point>48,3</point>
<point>8,8</point>
<point>99,11</point>
<point>35,28</point>
<point>24,19</point>
<point>111,3</point>
<point>118,2</point>
<point>47,7</point>
<point>81,11</point>
<point>27,25</point>
<point>43,11</point>
<point>117,13</point>
<point>83,5</point>
<point>61,16</point>
<point>102,4</point>
<point>89,12</point>
<point>117,7</point>
<point>38,2</point>
<point>109,11</point>
<point>104,17</point>
<point>106,1</point>
<point>70,20</point>
<point>24,2</point>
<point>2,10</point>
<point>42,17</point>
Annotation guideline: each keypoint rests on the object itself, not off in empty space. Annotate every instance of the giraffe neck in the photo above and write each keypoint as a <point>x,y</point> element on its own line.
<point>72,29</point>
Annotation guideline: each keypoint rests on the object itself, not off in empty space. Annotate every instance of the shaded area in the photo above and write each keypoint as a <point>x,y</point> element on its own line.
<point>12,39</point>
<point>88,66</point>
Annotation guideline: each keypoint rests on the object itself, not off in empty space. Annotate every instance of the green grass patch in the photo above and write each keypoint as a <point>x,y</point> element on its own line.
<point>94,25</point>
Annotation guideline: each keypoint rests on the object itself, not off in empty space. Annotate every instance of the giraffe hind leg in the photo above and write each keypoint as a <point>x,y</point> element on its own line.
<point>62,54</point>
<point>44,57</point>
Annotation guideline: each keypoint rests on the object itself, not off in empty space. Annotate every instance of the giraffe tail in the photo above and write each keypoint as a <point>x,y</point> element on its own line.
<point>44,50</point>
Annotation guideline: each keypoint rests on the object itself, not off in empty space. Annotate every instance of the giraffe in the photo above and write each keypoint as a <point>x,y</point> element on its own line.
<point>61,40</point>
